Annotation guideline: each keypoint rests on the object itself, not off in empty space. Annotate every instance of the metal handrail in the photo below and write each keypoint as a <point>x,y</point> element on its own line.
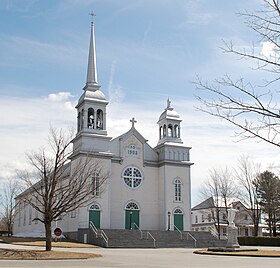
<point>141,232</point>
<point>181,234</point>
<point>149,234</point>
<point>105,237</point>
<point>189,234</point>
<point>101,232</point>
<point>93,228</point>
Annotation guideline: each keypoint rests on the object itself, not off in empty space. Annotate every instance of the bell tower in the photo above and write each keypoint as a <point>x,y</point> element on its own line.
<point>169,125</point>
<point>91,107</point>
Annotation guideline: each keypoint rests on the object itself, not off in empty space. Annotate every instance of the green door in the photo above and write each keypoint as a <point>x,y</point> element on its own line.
<point>94,216</point>
<point>178,221</point>
<point>131,216</point>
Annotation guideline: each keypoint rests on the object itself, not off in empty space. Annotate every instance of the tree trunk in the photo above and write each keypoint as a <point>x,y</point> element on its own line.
<point>48,229</point>
<point>256,229</point>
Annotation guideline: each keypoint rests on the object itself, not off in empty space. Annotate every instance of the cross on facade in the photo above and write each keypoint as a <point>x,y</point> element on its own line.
<point>133,121</point>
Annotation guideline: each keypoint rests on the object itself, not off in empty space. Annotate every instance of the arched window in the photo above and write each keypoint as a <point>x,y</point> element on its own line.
<point>82,119</point>
<point>176,131</point>
<point>90,118</point>
<point>79,121</point>
<point>164,130</point>
<point>132,177</point>
<point>178,211</point>
<point>99,118</point>
<point>160,133</point>
<point>178,190</point>
<point>132,206</point>
<point>170,131</point>
<point>94,207</point>
<point>95,184</point>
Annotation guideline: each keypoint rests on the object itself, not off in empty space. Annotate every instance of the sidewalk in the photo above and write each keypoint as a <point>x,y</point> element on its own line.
<point>146,258</point>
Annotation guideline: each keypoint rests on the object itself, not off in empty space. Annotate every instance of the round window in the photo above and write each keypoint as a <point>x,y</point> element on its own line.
<point>132,177</point>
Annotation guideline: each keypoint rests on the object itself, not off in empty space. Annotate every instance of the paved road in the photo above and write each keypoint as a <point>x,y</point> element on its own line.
<point>150,258</point>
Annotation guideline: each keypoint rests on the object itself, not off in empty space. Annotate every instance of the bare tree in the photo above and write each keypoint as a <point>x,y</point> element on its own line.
<point>10,190</point>
<point>246,174</point>
<point>253,109</point>
<point>56,186</point>
<point>220,188</point>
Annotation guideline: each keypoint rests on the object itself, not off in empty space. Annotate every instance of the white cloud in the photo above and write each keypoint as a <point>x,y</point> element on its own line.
<point>269,50</point>
<point>60,96</point>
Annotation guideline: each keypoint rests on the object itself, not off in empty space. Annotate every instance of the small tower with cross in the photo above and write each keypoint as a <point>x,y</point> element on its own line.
<point>169,125</point>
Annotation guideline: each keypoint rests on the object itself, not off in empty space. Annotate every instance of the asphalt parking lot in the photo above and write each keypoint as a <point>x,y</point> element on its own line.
<point>151,258</point>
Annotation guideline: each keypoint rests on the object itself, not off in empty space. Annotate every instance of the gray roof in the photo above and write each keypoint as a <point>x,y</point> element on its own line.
<point>208,203</point>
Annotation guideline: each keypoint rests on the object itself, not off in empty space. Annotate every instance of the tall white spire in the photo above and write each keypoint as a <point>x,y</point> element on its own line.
<point>92,71</point>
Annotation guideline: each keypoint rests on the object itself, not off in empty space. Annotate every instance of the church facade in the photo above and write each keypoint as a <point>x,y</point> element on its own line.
<point>148,187</point>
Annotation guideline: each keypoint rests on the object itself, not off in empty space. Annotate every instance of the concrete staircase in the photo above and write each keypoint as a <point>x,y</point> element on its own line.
<point>155,239</point>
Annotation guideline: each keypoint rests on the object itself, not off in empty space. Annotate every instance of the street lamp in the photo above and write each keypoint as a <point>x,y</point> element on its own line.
<point>168,213</point>
<point>130,219</point>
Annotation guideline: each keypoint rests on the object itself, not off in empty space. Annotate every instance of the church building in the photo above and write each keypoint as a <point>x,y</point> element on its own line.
<point>148,187</point>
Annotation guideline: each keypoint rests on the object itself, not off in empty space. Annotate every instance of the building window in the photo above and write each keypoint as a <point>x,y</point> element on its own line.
<point>178,190</point>
<point>176,131</point>
<point>224,231</point>
<point>132,177</point>
<point>170,131</point>
<point>196,219</point>
<point>246,217</point>
<point>164,131</point>
<point>94,207</point>
<point>209,217</point>
<point>246,232</point>
<point>178,211</point>
<point>132,206</point>
<point>99,123</point>
<point>91,118</point>
<point>202,218</point>
<point>224,216</point>
<point>96,184</point>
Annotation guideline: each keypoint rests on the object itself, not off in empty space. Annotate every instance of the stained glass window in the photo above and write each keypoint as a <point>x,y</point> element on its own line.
<point>132,177</point>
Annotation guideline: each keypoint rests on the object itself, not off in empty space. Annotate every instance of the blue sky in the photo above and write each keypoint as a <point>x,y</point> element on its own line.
<point>147,51</point>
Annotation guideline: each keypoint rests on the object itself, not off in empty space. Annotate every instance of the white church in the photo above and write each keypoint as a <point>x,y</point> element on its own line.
<point>149,187</point>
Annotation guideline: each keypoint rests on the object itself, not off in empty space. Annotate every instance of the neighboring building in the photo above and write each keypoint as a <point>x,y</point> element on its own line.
<point>204,218</point>
<point>152,184</point>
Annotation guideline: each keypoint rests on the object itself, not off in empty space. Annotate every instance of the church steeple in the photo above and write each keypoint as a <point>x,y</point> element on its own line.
<point>92,70</point>
<point>92,104</point>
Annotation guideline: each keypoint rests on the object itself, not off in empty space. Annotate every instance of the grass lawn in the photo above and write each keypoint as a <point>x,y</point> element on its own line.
<point>258,253</point>
<point>15,254</point>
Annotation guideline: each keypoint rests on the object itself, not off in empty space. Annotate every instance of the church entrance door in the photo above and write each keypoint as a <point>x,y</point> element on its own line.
<point>179,219</point>
<point>94,215</point>
<point>132,215</point>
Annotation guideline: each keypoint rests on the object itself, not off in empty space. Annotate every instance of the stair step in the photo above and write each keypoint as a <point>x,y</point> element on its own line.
<point>164,239</point>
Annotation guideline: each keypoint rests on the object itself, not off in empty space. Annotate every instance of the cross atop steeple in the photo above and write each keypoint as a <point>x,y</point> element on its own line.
<point>168,103</point>
<point>133,121</point>
<point>92,17</point>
